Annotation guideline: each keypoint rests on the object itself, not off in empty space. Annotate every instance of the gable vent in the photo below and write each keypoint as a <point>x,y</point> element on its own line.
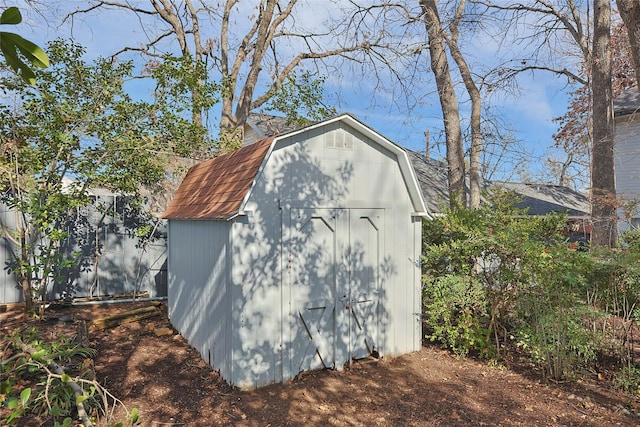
<point>339,139</point>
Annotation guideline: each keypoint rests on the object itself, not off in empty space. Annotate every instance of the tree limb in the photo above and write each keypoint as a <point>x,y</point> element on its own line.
<point>77,390</point>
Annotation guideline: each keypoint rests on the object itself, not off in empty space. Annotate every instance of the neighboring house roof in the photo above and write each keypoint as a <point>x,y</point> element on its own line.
<point>260,126</point>
<point>539,199</point>
<point>432,176</point>
<point>218,188</point>
<point>628,102</point>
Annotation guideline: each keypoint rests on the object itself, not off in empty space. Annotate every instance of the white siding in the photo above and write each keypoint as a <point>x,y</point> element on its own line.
<point>256,297</point>
<point>230,283</point>
<point>198,297</point>
<point>627,164</point>
<point>312,170</point>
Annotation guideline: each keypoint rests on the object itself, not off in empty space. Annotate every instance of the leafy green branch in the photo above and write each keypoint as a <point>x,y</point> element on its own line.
<point>14,46</point>
<point>54,390</point>
<point>77,129</point>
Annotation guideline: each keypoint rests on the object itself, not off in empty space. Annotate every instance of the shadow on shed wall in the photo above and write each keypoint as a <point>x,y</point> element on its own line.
<point>284,296</point>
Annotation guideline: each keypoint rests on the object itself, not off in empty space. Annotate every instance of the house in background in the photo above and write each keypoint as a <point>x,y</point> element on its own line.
<point>626,108</point>
<point>109,257</point>
<point>260,126</point>
<point>298,252</point>
<point>537,199</point>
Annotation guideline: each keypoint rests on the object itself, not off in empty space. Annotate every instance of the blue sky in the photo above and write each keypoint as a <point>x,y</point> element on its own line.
<point>528,114</point>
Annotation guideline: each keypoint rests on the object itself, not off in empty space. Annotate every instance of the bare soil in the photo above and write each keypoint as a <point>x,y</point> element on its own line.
<point>170,385</point>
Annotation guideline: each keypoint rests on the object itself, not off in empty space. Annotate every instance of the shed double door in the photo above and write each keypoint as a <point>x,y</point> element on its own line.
<point>333,258</point>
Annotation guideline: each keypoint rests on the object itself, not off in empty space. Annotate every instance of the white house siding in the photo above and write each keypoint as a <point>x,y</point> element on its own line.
<point>627,162</point>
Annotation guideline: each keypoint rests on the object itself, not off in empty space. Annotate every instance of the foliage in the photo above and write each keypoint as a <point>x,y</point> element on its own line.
<point>457,307</point>
<point>614,279</point>
<point>628,379</point>
<point>551,323</point>
<point>495,273</point>
<point>497,246</point>
<point>182,83</point>
<point>496,277</point>
<point>14,47</point>
<point>554,335</point>
<point>31,384</point>
<point>75,130</point>
<point>299,97</point>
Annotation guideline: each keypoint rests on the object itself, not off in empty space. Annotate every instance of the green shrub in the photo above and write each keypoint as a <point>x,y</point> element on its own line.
<point>628,379</point>
<point>496,274</point>
<point>46,393</point>
<point>557,339</point>
<point>456,310</point>
<point>496,251</point>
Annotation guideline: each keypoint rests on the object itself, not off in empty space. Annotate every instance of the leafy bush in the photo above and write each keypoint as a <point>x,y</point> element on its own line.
<point>614,289</point>
<point>47,392</point>
<point>498,248</point>
<point>495,274</point>
<point>457,308</point>
<point>556,338</point>
<point>628,379</point>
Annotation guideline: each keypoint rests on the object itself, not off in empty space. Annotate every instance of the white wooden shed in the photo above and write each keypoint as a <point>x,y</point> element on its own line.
<point>298,252</point>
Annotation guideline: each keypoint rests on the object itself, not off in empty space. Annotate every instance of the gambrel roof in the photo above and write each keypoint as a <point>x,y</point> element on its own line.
<point>216,188</point>
<point>219,188</point>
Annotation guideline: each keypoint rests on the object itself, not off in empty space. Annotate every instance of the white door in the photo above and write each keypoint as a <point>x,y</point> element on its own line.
<point>364,284</point>
<point>333,258</point>
<point>312,246</point>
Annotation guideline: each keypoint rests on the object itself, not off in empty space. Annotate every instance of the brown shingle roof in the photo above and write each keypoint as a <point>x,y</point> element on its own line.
<point>215,189</point>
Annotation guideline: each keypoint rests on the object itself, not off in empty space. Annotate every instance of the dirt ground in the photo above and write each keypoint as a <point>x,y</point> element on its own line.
<point>170,385</point>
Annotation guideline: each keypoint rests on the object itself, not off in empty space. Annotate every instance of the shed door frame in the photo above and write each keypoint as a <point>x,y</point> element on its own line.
<point>341,319</point>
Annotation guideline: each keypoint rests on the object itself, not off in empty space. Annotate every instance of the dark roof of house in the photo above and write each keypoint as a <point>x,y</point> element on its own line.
<point>265,125</point>
<point>541,199</point>
<point>628,102</point>
<point>432,176</point>
<point>216,188</point>
<point>538,199</point>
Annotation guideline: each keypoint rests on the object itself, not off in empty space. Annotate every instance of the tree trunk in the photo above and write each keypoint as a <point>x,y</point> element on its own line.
<point>449,103</point>
<point>25,279</point>
<point>603,190</point>
<point>630,13</point>
<point>476,108</point>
